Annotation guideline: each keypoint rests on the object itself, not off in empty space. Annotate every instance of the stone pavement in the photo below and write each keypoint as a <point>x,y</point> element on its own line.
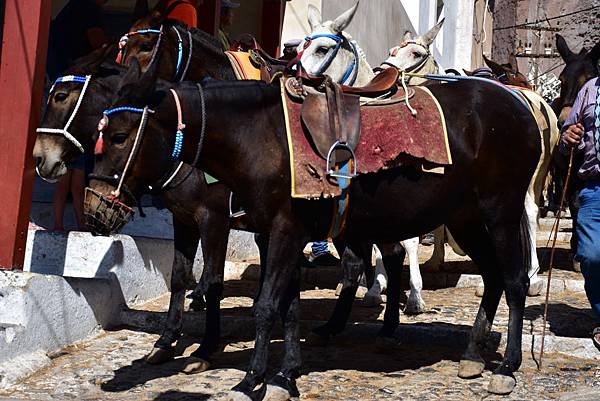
<point>422,366</point>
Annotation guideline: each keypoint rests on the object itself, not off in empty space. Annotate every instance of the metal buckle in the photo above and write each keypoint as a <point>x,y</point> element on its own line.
<point>233,215</point>
<point>332,173</point>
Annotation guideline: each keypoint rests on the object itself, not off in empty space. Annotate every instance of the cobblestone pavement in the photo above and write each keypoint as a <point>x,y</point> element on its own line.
<point>110,368</point>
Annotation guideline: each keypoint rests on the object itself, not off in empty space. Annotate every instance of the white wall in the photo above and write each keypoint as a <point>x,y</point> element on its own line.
<point>295,21</point>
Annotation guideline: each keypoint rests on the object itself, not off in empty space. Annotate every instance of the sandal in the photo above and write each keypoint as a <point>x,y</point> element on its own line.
<point>596,337</point>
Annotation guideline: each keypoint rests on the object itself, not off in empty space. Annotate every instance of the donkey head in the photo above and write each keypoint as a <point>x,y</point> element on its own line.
<point>413,53</point>
<point>124,157</point>
<point>508,73</point>
<point>579,68</point>
<point>70,112</point>
<point>329,51</point>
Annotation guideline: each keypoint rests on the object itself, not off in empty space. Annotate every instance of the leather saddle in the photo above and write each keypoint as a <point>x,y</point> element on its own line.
<point>334,116</point>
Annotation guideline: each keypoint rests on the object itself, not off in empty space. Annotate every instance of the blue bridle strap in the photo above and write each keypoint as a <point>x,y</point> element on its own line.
<point>179,52</point>
<point>108,112</point>
<point>332,53</point>
<point>68,78</point>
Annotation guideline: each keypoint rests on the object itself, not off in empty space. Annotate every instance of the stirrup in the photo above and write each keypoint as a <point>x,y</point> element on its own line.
<point>232,214</point>
<point>336,173</point>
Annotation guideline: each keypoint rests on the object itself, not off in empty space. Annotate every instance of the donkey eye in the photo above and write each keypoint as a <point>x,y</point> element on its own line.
<point>416,54</point>
<point>60,96</point>
<point>322,50</point>
<point>119,138</point>
<point>147,47</point>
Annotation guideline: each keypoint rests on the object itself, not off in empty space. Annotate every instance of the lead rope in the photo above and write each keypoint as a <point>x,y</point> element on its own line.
<point>406,97</point>
<point>189,58</point>
<point>134,148</point>
<point>555,228</point>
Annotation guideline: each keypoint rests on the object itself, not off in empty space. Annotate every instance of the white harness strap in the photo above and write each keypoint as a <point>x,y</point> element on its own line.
<point>65,131</point>
<point>134,148</point>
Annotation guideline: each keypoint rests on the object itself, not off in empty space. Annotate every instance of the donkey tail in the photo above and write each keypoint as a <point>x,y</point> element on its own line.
<point>525,241</point>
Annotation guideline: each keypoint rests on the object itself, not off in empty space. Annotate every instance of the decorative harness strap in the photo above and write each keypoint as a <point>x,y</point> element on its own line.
<point>65,131</point>
<point>125,38</point>
<point>180,127</point>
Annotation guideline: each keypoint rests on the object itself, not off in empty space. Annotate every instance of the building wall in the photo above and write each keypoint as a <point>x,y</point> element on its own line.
<point>580,30</point>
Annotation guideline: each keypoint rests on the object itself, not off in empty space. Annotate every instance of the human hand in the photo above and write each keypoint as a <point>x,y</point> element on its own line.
<point>573,134</point>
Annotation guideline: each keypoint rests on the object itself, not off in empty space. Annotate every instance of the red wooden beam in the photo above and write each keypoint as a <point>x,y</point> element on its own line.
<point>209,16</point>
<point>272,26</point>
<point>22,71</point>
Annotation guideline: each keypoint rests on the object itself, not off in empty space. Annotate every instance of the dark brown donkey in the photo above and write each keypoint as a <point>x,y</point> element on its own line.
<point>242,140</point>
<point>579,68</point>
<point>508,73</point>
<point>199,211</point>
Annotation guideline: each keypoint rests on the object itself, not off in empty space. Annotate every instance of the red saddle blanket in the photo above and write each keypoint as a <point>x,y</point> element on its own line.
<point>390,136</point>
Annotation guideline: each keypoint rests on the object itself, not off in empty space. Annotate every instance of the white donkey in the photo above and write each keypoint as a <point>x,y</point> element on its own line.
<point>415,52</point>
<point>328,50</point>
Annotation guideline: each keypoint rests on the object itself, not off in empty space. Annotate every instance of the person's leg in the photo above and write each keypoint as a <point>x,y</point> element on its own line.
<point>77,189</point>
<point>60,197</point>
<point>588,250</point>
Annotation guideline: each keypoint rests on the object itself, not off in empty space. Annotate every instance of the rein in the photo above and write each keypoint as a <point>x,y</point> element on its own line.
<point>351,72</point>
<point>65,131</point>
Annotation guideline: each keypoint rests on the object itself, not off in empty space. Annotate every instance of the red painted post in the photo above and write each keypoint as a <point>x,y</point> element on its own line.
<point>209,15</point>
<point>272,26</point>
<point>24,46</point>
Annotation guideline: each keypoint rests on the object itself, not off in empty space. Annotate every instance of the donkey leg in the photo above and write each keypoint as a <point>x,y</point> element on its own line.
<point>186,244</point>
<point>373,296</point>
<point>393,259</point>
<point>439,250</point>
<point>415,303</point>
<point>512,252</point>
<point>471,234</point>
<point>214,232</point>
<point>353,262</point>
<point>535,283</point>
<point>279,275</point>
<point>282,386</point>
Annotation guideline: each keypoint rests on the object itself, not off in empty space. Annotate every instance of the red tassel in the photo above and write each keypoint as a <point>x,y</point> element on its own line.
<point>99,144</point>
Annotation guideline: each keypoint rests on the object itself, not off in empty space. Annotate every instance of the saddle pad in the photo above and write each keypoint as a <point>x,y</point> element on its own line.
<point>390,136</point>
<point>242,65</point>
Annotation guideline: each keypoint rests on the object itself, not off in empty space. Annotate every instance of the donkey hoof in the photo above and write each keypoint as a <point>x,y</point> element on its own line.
<point>414,307</point>
<point>479,291</point>
<point>316,340</point>
<point>235,396</point>
<point>385,344</point>
<point>372,300</point>
<point>338,289</point>
<point>469,369</point>
<point>195,365</point>
<point>535,288</point>
<point>501,384</point>
<point>276,393</point>
<point>159,355</point>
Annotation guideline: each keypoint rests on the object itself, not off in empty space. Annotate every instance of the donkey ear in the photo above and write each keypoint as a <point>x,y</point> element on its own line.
<point>563,48</point>
<point>314,17</point>
<point>341,22</point>
<point>468,73</point>
<point>133,73</point>
<point>429,37</point>
<point>512,61</point>
<point>408,35</point>
<point>496,68</point>
<point>594,54</point>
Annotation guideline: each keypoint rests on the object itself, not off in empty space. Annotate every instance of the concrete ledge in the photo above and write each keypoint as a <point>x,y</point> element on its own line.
<point>75,284</point>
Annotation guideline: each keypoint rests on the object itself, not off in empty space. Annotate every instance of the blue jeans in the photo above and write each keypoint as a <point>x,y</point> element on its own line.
<point>319,248</point>
<point>588,249</point>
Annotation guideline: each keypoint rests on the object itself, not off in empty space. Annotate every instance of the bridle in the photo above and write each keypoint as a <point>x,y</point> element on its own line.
<point>413,68</point>
<point>85,80</point>
<point>177,77</point>
<point>167,179</point>
<point>349,77</point>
